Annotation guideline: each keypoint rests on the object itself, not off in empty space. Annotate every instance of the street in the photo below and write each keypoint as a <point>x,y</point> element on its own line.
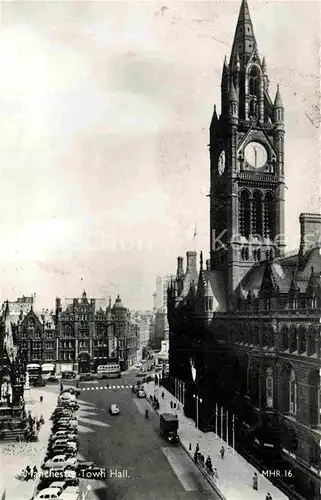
<point>131,445</point>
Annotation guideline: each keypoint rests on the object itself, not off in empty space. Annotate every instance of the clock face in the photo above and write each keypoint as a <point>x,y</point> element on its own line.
<point>221,163</point>
<point>255,154</point>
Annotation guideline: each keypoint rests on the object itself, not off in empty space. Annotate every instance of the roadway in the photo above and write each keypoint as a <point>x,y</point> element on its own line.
<point>128,442</point>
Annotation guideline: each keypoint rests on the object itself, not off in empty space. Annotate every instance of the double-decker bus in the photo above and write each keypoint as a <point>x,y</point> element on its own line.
<point>109,371</point>
<point>47,370</point>
<point>34,371</point>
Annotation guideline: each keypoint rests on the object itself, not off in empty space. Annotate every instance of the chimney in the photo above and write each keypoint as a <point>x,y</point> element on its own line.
<point>180,269</point>
<point>58,304</point>
<point>208,264</point>
<point>191,261</point>
<point>310,232</point>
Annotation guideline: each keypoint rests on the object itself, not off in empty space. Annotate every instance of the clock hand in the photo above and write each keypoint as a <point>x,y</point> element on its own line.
<point>255,156</point>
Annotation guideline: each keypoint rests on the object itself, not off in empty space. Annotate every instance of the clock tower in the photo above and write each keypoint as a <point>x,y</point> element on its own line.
<point>247,163</point>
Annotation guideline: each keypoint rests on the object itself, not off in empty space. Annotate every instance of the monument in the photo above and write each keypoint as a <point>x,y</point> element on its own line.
<point>13,418</point>
<point>26,390</point>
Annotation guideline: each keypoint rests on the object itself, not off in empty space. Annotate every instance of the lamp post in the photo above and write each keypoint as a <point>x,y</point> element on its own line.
<point>198,400</point>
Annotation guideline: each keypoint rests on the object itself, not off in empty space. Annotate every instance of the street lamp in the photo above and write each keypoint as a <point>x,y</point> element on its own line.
<point>198,400</point>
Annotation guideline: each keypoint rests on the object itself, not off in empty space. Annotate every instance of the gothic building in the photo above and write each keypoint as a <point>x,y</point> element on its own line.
<point>249,318</point>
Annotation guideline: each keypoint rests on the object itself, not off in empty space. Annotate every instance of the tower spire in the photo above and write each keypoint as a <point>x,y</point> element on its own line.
<point>244,40</point>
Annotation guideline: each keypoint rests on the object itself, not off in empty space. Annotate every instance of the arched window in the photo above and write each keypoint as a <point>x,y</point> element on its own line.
<point>254,92</point>
<point>311,342</point>
<point>244,217</point>
<point>292,393</point>
<point>269,391</point>
<point>257,214</point>
<point>314,397</point>
<point>293,340</point>
<point>302,341</point>
<point>285,339</point>
<point>269,216</point>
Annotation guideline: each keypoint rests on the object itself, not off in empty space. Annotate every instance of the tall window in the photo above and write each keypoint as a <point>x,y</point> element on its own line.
<point>293,393</point>
<point>269,217</point>
<point>244,221</point>
<point>269,391</point>
<point>257,213</point>
<point>254,92</point>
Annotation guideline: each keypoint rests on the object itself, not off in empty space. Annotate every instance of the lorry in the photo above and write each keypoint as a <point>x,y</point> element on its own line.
<point>168,427</point>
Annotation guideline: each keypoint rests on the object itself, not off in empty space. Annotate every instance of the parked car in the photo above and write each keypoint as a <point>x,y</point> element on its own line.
<point>71,493</point>
<point>114,410</point>
<point>63,426</point>
<point>60,450</point>
<point>68,476</point>
<point>141,374</point>
<point>84,465</point>
<point>59,485</point>
<point>53,379</point>
<point>60,461</point>
<point>48,494</point>
<point>70,435</point>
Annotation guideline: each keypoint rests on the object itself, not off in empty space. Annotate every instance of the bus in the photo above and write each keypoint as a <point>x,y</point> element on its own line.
<point>108,371</point>
<point>47,370</point>
<point>34,371</point>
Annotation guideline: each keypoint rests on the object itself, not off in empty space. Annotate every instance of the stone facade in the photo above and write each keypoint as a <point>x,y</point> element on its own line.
<point>79,336</point>
<point>249,319</point>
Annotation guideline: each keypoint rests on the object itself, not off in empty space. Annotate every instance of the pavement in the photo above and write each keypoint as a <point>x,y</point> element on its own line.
<point>235,474</point>
<point>149,468</point>
<point>16,456</point>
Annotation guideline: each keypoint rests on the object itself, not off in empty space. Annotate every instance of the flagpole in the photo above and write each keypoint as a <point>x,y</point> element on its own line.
<point>233,434</point>
<point>216,417</point>
<point>221,425</point>
<point>227,429</point>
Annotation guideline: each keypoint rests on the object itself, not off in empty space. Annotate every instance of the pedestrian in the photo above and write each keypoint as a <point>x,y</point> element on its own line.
<point>268,497</point>
<point>28,473</point>
<point>163,395</point>
<point>255,481</point>
<point>175,406</point>
<point>171,404</point>
<point>34,473</point>
<point>208,462</point>
<point>222,452</point>
<point>215,473</point>
<point>197,447</point>
<point>196,456</point>
<point>61,387</point>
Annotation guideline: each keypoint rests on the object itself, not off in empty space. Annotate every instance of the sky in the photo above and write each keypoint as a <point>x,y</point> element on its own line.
<point>105,111</point>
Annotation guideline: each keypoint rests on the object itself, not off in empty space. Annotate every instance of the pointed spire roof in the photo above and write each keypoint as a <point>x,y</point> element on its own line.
<point>263,63</point>
<point>201,287</point>
<point>278,99</point>
<point>232,94</point>
<point>244,39</point>
<point>225,70</point>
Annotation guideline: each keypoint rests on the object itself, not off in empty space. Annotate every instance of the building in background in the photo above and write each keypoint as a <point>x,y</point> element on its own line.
<point>160,309</point>
<point>245,327</point>
<point>146,324</point>
<point>77,336</point>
